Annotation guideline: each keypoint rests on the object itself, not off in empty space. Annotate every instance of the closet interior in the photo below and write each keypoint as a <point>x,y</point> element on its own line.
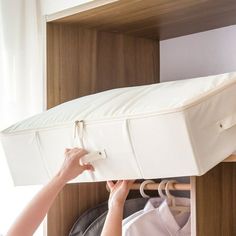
<point>117,45</point>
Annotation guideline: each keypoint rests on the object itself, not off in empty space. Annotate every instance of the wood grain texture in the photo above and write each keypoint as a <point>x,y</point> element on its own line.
<point>216,201</point>
<point>82,62</point>
<point>193,206</point>
<point>158,19</point>
<point>231,158</point>
<point>73,200</point>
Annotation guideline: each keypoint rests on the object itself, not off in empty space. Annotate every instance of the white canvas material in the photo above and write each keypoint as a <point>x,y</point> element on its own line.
<point>171,129</point>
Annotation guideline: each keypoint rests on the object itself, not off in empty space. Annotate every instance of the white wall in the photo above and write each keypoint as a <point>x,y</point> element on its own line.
<point>55,6</point>
<point>200,54</point>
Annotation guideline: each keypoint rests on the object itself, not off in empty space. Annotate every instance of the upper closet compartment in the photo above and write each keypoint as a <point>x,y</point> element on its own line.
<point>116,45</point>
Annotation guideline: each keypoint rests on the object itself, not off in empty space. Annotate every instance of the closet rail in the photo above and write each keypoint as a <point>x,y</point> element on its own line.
<point>154,186</point>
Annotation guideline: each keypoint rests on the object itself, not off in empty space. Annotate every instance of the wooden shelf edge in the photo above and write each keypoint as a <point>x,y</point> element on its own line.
<point>231,158</point>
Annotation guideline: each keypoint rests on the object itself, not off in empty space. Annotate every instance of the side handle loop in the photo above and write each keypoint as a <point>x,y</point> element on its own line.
<point>228,122</point>
<point>93,156</point>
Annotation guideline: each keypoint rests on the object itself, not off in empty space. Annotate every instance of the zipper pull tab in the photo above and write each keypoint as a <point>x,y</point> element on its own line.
<point>78,132</point>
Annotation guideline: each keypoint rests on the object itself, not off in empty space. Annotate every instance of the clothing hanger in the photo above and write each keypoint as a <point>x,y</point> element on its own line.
<point>161,186</point>
<point>172,199</point>
<point>142,186</point>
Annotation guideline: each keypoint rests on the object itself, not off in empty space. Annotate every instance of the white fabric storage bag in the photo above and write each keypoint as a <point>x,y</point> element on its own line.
<point>47,153</point>
<point>211,139</point>
<point>162,130</point>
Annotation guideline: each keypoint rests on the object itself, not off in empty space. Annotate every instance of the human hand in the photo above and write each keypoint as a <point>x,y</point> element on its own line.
<point>118,192</point>
<point>72,166</point>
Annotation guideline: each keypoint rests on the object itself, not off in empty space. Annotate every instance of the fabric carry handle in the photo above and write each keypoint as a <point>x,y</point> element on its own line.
<point>228,122</point>
<point>94,156</point>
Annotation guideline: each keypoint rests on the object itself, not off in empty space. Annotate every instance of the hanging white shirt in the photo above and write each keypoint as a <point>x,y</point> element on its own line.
<point>152,202</point>
<point>160,221</point>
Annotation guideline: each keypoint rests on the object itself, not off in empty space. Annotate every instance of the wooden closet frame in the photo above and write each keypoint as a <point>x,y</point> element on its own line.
<point>92,49</point>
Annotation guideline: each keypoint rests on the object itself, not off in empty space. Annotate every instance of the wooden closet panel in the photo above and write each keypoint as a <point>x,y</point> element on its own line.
<point>71,63</point>
<point>125,61</point>
<point>73,200</point>
<point>216,201</point>
<point>82,62</point>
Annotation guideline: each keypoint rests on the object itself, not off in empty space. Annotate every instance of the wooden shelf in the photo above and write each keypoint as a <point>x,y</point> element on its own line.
<point>157,19</point>
<point>231,158</point>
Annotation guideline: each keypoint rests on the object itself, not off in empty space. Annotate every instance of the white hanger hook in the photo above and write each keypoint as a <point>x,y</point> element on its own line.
<point>167,190</point>
<point>143,184</point>
<point>160,187</point>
